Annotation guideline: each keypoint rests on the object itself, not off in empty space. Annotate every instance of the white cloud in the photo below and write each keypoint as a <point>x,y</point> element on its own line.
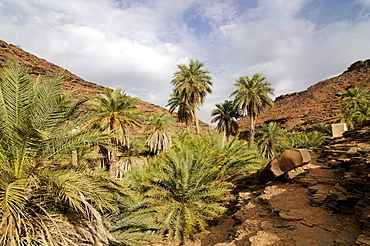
<point>136,45</point>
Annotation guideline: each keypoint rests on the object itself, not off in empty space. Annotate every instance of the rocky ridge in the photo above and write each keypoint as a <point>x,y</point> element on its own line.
<point>81,88</point>
<point>320,103</point>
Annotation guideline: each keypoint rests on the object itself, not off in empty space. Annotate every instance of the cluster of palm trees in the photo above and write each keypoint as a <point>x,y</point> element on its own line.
<point>192,84</point>
<point>68,179</point>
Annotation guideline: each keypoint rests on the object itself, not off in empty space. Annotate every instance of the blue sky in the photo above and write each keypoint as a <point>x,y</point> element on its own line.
<point>136,45</point>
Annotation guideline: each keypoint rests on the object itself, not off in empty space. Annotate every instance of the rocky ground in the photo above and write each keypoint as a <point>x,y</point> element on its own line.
<point>325,202</point>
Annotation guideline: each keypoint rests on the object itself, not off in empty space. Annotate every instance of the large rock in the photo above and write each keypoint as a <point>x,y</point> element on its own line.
<point>283,163</point>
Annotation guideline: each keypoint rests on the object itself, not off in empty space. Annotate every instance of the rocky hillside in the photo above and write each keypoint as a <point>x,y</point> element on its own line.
<point>81,88</point>
<point>320,103</point>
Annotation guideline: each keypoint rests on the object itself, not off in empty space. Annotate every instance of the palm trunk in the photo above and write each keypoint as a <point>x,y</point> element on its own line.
<point>196,120</point>
<point>252,130</point>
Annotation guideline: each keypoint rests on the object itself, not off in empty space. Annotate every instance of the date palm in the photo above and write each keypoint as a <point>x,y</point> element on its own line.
<point>355,98</point>
<point>185,112</point>
<point>252,97</point>
<point>323,128</point>
<point>184,192</point>
<point>271,138</point>
<point>159,139</point>
<point>356,104</point>
<point>226,116</point>
<point>307,139</point>
<point>191,85</point>
<point>43,200</point>
<point>115,112</point>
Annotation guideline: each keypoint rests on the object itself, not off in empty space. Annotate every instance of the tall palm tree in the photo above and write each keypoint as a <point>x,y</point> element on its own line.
<point>252,96</point>
<point>159,139</point>
<point>271,139</point>
<point>115,112</point>
<point>226,116</point>
<point>192,84</point>
<point>43,200</point>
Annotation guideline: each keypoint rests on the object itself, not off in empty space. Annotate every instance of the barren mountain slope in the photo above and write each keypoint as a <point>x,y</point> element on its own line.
<point>82,88</point>
<point>320,103</point>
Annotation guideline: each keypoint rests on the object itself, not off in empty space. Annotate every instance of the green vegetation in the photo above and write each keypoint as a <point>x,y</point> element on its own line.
<point>271,140</point>
<point>159,139</point>
<point>123,190</point>
<point>251,97</point>
<point>114,112</point>
<point>190,184</point>
<point>356,107</point>
<point>47,199</point>
<point>191,85</point>
<point>226,115</point>
<point>43,199</point>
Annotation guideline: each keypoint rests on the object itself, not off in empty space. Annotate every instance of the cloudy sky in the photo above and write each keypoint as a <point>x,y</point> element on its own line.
<point>135,45</point>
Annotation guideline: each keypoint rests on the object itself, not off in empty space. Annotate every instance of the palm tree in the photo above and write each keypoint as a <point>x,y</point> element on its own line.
<point>356,104</point>
<point>192,84</point>
<point>323,128</point>
<point>159,139</point>
<point>271,139</point>
<point>233,159</point>
<point>115,112</point>
<point>356,98</point>
<point>184,192</point>
<point>306,139</point>
<point>185,112</point>
<point>252,96</point>
<point>226,116</point>
<point>189,184</point>
<point>43,199</point>
<point>131,154</point>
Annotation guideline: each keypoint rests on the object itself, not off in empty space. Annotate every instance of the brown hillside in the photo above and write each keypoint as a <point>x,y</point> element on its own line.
<point>320,103</point>
<point>81,88</point>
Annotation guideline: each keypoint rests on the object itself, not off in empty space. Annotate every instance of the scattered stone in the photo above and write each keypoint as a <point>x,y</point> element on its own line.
<point>290,215</point>
<point>264,238</point>
<point>307,223</point>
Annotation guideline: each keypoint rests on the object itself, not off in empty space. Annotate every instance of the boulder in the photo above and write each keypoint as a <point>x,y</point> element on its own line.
<point>283,163</point>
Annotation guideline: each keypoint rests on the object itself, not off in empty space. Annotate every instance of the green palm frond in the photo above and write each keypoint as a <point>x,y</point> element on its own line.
<point>160,138</point>
<point>42,200</point>
<point>251,97</point>
<point>271,139</point>
<point>226,116</point>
